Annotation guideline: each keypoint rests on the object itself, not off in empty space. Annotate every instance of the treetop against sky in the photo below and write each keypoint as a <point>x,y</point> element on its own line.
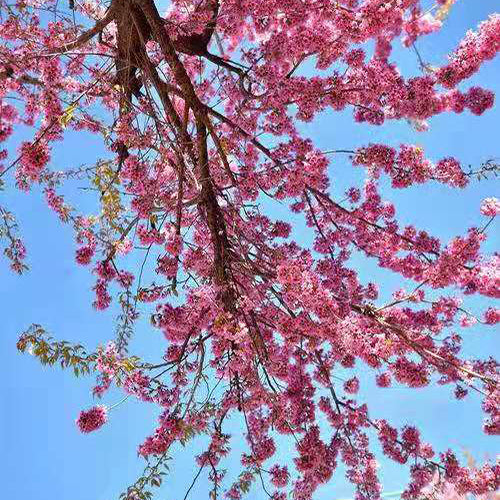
<point>181,146</point>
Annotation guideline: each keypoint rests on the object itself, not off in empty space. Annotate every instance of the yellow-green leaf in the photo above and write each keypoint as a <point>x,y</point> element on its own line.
<point>67,115</point>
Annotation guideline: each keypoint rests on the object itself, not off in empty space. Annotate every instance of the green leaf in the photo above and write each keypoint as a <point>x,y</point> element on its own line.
<point>68,114</point>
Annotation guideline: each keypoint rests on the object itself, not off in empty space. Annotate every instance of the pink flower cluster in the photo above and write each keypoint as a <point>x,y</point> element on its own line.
<point>474,50</point>
<point>490,207</point>
<point>256,324</point>
<point>409,166</point>
<point>166,433</point>
<point>419,25</point>
<point>34,158</point>
<point>92,419</point>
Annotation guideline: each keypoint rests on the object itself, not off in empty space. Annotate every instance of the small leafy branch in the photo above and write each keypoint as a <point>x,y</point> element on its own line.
<point>37,342</point>
<point>151,477</point>
<point>15,250</point>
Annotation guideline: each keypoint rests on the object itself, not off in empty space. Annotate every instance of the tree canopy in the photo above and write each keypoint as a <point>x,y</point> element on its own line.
<point>199,105</point>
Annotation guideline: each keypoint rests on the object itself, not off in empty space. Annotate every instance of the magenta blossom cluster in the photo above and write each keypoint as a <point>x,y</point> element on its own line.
<point>92,419</point>
<point>274,327</point>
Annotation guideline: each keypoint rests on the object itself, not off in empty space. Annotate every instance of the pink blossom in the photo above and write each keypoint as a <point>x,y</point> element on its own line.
<point>84,255</point>
<point>279,476</point>
<point>204,153</point>
<point>490,207</point>
<point>352,385</point>
<point>92,419</point>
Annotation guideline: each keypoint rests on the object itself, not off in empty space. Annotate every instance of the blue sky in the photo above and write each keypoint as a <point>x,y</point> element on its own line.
<point>44,456</point>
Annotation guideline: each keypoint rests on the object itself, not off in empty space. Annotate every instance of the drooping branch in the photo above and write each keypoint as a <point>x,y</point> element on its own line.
<point>92,32</point>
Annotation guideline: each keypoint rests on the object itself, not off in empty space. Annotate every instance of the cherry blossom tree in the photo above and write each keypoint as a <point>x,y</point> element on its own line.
<point>199,106</point>
<point>438,489</point>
